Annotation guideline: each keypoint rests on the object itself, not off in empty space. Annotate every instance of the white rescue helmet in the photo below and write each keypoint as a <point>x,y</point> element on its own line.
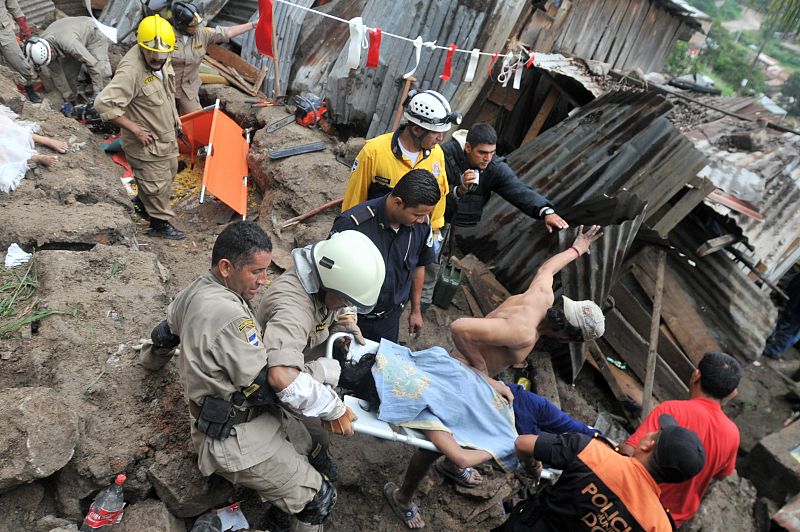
<point>349,264</point>
<point>38,51</point>
<point>430,110</point>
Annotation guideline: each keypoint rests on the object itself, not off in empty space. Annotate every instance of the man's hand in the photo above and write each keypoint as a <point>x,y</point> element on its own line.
<point>415,322</point>
<point>143,136</point>
<point>554,222</point>
<point>502,389</point>
<point>584,240</point>
<point>348,323</point>
<point>468,179</point>
<point>342,425</point>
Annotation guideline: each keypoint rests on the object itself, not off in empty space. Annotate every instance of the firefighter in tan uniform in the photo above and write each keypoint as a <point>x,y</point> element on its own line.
<point>73,42</point>
<point>140,99</point>
<point>190,47</point>
<point>9,13</point>
<point>243,402</point>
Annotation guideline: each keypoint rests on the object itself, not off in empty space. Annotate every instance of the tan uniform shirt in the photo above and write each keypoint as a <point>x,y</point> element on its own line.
<point>9,10</point>
<point>74,37</point>
<point>142,97</point>
<point>293,322</point>
<point>187,56</point>
<point>222,351</point>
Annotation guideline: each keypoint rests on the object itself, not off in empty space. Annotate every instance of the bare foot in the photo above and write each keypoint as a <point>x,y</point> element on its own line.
<point>58,145</point>
<point>46,160</point>
<point>469,477</point>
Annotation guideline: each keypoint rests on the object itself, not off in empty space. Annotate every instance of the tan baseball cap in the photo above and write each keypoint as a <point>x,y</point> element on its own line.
<point>587,316</point>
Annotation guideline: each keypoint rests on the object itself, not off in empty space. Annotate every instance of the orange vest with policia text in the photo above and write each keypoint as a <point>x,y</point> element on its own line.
<point>380,165</point>
<point>599,490</point>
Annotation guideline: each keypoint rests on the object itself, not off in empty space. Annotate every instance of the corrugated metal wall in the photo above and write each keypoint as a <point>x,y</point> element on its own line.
<point>38,11</point>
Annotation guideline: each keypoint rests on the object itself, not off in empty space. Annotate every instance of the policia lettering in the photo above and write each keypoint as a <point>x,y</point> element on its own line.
<point>601,520</point>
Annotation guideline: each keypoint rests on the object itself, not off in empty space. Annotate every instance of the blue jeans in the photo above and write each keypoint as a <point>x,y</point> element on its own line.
<point>785,335</point>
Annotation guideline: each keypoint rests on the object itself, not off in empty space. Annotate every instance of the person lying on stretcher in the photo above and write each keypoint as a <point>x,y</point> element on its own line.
<point>472,426</point>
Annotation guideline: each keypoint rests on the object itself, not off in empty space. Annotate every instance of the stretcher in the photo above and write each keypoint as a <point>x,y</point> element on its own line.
<point>368,422</point>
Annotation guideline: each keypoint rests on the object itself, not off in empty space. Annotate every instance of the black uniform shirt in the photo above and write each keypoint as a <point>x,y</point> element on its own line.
<point>403,250</point>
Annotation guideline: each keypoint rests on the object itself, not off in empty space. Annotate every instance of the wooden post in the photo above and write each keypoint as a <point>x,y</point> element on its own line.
<point>655,324</point>
<point>399,113</point>
<point>538,122</point>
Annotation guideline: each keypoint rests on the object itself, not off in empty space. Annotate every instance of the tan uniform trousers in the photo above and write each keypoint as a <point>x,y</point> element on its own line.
<point>286,480</point>
<point>187,105</point>
<point>154,180</point>
<point>12,53</point>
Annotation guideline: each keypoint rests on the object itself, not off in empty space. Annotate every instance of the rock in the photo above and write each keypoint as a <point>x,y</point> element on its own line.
<point>71,487</point>
<point>185,491</point>
<point>18,507</point>
<point>727,505</point>
<point>39,437</point>
<point>50,522</point>
<point>149,516</point>
<point>68,528</point>
<point>772,466</point>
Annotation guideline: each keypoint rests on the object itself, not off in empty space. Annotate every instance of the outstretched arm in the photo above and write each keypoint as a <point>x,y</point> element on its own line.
<point>553,265</point>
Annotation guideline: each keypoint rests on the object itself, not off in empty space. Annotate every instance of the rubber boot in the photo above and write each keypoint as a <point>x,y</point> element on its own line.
<point>208,522</point>
<point>33,97</point>
<point>164,229</point>
<point>300,526</point>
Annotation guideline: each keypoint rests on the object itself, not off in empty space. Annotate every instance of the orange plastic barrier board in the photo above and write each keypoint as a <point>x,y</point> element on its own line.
<point>225,172</point>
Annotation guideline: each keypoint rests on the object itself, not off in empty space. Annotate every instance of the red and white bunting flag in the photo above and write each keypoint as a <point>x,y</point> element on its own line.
<point>374,54</point>
<point>264,29</point>
<point>448,62</point>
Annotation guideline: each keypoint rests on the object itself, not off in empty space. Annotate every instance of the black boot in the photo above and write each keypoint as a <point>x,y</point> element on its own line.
<point>164,229</point>
<point>33,97</point>
<point>138,208</point>
<point>323,462</point>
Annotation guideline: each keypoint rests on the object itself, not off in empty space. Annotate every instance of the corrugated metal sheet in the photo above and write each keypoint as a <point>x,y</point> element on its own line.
<point>593,276</point>
<point>38,11</point>
<point>125,15</point>
<point>621,141</point>
<point>71,8</point>
<point>289,23</point>
<point>236,12</point>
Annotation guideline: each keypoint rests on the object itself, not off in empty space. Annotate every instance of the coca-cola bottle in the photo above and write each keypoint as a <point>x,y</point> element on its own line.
<point>106,510</point>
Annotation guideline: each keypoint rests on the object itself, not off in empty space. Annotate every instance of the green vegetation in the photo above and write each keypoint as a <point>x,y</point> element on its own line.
<point>729,10</point>
<point>18,306</point>
<point>792,88</point>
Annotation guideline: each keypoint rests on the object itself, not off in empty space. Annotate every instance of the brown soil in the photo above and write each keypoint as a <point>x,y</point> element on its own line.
<point>113,283</point>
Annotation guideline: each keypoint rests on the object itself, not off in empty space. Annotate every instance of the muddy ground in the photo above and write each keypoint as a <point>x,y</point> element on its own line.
<point>111,283</point>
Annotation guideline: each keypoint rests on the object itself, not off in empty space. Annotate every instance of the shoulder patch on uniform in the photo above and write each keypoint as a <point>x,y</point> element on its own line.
<point>382,180</point>
<point>246,323</point>
<point>252,338</point>
<point>436,169</point>
<point>197,47</point>
<point>320,327</point>
<point>150,79</point>
<point>355,165</point>
<point>363,215</point>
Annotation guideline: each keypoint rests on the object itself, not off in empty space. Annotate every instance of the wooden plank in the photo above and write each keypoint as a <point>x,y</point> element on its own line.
<point>678,309</point>
<point>487,289</point>
<point>633,349</point>
<point>655,320</point>
<point>614,31</point>
<point>624,386</point>
<point>600,26</point>
<point>472,302</point>
<point>712,245</point>
<point>540,367</point>
<point>701,188</point>
<point>639,317</point>
<point>233,61</point>
<point>538,122</point>
<point>231,75</point>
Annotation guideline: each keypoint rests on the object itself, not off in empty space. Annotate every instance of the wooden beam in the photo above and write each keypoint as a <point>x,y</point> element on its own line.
<point>678,310</point>
<point>487,289</point>
<point>544,378</point>
<point>233,61</point>
<point>623,385</point>
<point>544,111</point>
<point>472,302</point>
<point>638,316</point>
<point>712,245</point>
<point>655,321</point>
<point>701,188</point>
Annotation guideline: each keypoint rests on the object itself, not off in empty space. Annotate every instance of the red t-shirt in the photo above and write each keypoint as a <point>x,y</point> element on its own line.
<point>720,437</point>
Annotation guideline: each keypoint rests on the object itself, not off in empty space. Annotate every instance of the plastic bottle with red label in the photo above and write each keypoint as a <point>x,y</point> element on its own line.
<point>106,510</point>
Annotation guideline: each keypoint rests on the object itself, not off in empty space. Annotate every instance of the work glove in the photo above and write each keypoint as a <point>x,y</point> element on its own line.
<point>348,322</point>
<point>330,368</point>
<point>151,357</point>
<point>66,109</point>
<point>24,30</point>
<point>342,425</point>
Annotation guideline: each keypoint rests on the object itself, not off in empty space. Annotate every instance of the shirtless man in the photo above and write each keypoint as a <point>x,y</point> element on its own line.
<point>508,333</point>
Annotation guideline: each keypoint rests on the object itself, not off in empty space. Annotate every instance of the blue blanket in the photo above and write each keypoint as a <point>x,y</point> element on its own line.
<point>430,390</point>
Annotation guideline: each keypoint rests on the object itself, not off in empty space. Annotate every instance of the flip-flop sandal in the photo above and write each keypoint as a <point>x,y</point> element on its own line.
<point>461,477</point>
<point>406,515</point>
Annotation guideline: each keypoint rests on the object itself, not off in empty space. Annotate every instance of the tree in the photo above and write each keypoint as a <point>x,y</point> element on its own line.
<point>787,13</point>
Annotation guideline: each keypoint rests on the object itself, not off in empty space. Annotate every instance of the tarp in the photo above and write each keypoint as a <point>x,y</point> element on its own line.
<point>225,147</point>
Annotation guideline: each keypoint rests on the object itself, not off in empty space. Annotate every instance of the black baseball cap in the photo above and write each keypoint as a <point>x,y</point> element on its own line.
<point>679,453</point>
